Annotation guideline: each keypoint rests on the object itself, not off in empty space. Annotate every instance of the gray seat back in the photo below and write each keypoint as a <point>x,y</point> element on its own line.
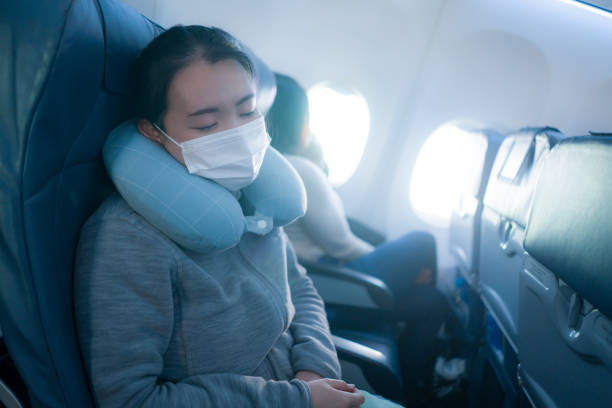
<point>506,207</point>
<point>565,287</point>
<point>464,232</point>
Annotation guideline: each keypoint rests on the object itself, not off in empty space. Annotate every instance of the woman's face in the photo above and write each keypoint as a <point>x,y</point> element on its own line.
<point>203,99</point>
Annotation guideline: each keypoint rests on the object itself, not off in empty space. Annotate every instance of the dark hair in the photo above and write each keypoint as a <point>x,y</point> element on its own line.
<point>286,118</point>
<point>171,51</point>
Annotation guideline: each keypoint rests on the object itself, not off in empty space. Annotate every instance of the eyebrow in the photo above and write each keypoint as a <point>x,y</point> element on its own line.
<point>244,99</point>
<point>203,111</point>
<point>213,110</point>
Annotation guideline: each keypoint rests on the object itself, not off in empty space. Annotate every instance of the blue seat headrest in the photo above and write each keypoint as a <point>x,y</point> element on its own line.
<point>195,212</point>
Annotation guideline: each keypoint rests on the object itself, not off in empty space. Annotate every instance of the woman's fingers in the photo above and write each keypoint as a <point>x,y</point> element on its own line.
<point>330,393</point>
<point>355,398</point>
<point>351,393</point>
<point>341,385</point>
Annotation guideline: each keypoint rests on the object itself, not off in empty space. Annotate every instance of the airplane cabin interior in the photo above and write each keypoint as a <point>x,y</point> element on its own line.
<point>446,200</point>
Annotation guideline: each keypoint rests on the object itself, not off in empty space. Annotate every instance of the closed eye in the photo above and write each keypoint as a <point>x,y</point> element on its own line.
<point>244,115</point>
<point>205,128</point>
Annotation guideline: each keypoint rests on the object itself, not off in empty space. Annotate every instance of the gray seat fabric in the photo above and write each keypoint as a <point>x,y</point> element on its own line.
<point>506,207</point>
<point>565,287</point>
<point>465,220</point>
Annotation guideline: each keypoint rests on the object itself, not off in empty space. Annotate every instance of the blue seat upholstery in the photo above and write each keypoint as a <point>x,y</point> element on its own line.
<point>565,287</point>
<point>507,202</point>
<point>65,68</point>
<point>52,179</point>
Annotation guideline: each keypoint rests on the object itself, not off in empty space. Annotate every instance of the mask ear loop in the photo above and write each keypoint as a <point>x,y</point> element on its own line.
<point>165,134</point>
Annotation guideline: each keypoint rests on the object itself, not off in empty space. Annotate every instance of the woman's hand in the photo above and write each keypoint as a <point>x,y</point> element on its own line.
<point>307,376</point>
<point>329,393</point>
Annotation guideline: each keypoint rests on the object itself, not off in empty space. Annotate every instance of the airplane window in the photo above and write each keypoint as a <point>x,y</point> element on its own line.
<point>448,164</point>
<point>340,120</point>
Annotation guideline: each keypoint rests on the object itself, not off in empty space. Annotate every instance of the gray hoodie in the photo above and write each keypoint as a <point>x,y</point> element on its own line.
<point>162,326</point>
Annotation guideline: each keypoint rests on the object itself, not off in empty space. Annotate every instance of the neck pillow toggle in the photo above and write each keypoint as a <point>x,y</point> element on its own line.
<point>195,212</point>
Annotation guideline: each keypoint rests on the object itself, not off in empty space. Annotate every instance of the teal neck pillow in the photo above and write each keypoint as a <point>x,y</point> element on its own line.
<point>195,212</point>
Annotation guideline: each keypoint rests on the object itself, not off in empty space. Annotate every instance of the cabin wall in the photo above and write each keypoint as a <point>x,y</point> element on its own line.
<point>507,63</point>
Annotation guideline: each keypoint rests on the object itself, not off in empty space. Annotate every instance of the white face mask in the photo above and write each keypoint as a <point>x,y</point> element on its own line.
<point>232,158</point>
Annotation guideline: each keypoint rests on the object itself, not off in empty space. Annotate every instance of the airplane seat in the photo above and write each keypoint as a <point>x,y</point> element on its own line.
<point>359,309</point>
<point>65,97</point>
<point>479,148</point>
<point>360,313</point>
<point>565,286</point>
<point>464,232</point>
<point>67,71</point>
<point>505,211</point>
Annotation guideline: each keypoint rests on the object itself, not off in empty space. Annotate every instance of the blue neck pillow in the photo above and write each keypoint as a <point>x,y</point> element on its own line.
<point>195,212</point>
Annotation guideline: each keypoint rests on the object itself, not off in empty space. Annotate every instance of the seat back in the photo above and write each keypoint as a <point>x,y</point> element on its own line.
<point>505,211</point>
<point>52,179</point>
<point>481,146</point>
<point>565,287</point>
<point>66,67</point>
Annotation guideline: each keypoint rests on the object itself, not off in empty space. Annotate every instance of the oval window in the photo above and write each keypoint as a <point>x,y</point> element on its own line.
<point>340,120</point>
<point>448,166</point>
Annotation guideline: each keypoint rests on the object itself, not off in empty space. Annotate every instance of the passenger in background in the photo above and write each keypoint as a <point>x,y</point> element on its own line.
<point>407,265</point>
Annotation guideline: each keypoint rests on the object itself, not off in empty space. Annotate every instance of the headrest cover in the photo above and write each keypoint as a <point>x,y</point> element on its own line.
<point>516,170</point>
<point>570,226</point>
<point>197,213</point>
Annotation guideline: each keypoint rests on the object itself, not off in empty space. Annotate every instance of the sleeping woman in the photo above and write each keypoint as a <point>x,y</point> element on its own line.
<point>162,326</point>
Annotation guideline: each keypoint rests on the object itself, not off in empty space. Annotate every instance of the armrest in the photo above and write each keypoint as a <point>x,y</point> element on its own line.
<point>354,350</point>
<point>7,397</point>
<point>366,232</point>
<point>11,384</point>
<point>379,363</point>
<point>377,290</point>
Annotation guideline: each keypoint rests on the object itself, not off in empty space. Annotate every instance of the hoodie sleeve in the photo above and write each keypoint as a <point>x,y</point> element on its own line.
<point>125,313</point>
<point>313,348</point>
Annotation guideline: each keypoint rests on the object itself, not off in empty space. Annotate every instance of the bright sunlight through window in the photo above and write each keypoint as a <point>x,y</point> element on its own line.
<point>448,168</point>
<point>341,122</point>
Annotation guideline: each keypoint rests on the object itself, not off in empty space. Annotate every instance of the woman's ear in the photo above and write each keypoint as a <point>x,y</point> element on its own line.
<point>147,129</point>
